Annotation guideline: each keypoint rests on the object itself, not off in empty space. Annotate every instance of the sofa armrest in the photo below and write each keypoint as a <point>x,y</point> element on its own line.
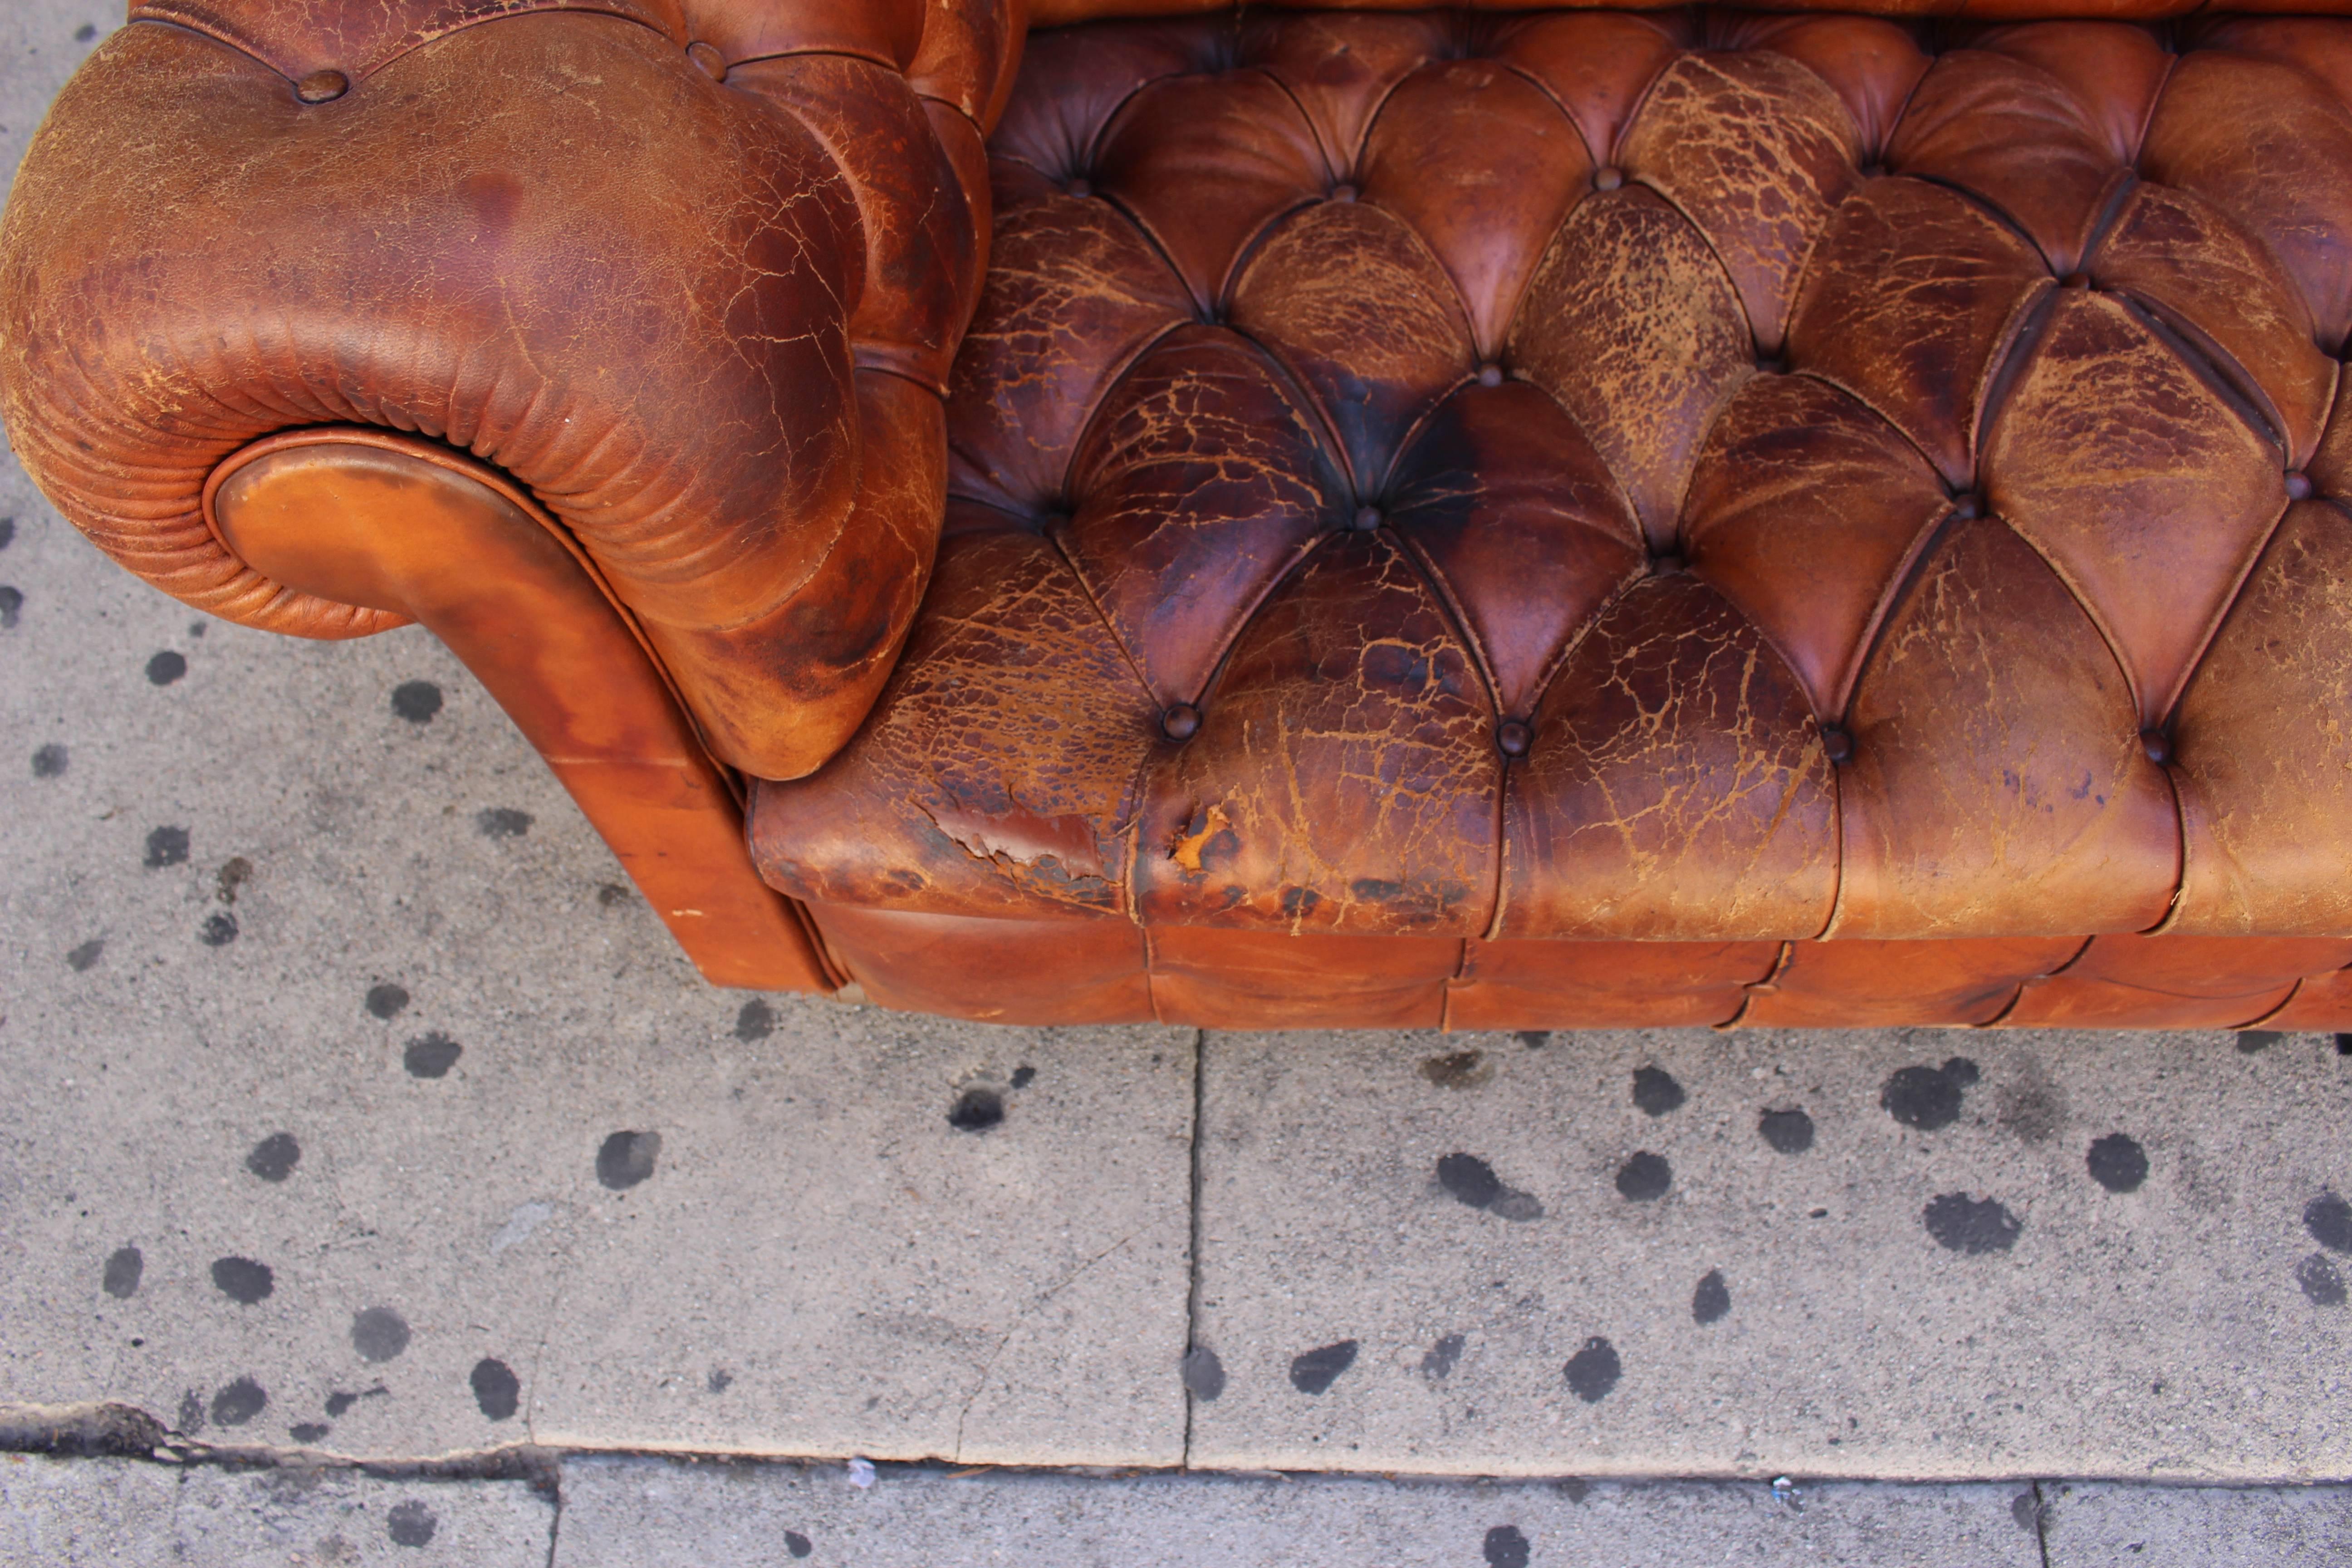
<point>691,274</point>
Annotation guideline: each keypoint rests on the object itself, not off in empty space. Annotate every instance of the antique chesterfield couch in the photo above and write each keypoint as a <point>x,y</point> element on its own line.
<point>1503,518</point>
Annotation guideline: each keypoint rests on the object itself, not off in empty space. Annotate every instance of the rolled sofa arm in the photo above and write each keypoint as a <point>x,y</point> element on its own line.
<point>690,273</point>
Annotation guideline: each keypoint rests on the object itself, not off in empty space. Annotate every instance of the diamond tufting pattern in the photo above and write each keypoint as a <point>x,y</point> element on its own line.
<point>1690,477</point>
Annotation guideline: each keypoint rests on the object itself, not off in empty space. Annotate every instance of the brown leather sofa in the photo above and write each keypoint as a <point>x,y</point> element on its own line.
<point>1518,518</point>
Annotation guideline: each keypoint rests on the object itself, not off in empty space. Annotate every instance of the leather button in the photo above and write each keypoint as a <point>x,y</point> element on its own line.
<point>322,87</point>
<point>1182,722</point>
<point>2298,485</point>
<point>1512,737</point>
<point>1608,177</point>
<point>2157,745</point>
<point>2076,281</point>
<point>1490,374</point>
<point>1367,518</point>
<point>1838,744</point>
<point>707,59</point>
<point>1343,193</point>
<point>1873,171</point>
<point>1080,187</point>
<point>1773,364</point>
<point>1968,506</point>
<point>1665,564</point>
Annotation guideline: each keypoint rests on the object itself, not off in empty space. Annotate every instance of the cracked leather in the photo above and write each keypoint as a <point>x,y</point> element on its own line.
<point>1894,473</point>
<point>693,271</point>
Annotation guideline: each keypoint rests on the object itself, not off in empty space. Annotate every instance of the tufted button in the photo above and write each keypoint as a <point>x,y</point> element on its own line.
<point>1608,177</point>
<point>2157,745</point>
<point>1513,737</point>
<point>1666,564</point>
<point>322,87</point>
<point>1053,521</point>
<point>1367,518</point>
<point>707,59</point>
<point>2076,281</point>
<point>1079,186</point>
<point>1873,171</point>
<point>1838,744</point>
<point>2298,485</point>
<point>1490,374</point>
<point>1968,505</point>
<point>1773,364</point>
<point>1181,722</point>
<point>1343,192</point>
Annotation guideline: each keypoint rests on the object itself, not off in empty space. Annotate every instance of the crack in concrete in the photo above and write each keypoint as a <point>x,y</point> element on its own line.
<point>1192,1245</point>
<point>956,1455</point>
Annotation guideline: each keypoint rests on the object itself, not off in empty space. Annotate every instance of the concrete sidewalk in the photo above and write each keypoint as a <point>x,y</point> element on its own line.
<point>366,1135</point>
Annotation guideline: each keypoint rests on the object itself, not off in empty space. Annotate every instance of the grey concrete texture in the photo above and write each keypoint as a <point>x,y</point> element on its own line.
<point>2104,1525</point>
<point>129,1513</point>
<point>1454,1215</point>
<point>640,1514</point>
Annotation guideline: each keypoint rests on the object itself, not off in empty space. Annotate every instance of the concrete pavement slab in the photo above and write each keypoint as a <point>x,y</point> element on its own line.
<point>128,1514</point>
<point>2102,1525</point>
<point>324,1011</point>
<point>639,1514</point>
<point>1897,1254</point>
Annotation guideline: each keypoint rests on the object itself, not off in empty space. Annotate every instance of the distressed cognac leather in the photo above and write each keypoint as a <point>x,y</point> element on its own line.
<point>1483,484</point>
<point>691,272</point>
<point>1502,519</point>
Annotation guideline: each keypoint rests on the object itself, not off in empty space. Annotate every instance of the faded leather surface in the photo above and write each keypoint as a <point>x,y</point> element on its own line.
<point>1900,493</point>
<point>692,271</point>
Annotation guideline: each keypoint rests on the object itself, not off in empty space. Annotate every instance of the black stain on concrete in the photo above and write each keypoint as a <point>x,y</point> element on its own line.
<point>1970,1226</point>
<point>191,1419</point>
<point>501,822</point>
<point>1534,1040</point>
<point>379,1333</point>
<point>119,1279</point>
<point>1655,1093</point>
<point>1469,1179</point>
<point>165,667</point>
<point>613,895</point>
<point>1505,1547</point>
<point>624,1159</point>
<point>166,846</point>
<point>218,930</point>
<point>1711,1302</point>
<point>239,1403</point>
<point>757,1021</point>
<point>50,761</point>
<point>976,1109</point>
<point>387,1000</point>
<point>1023,1076</point>
<point>2329,1220</point>
<point>1440,1358</point>
<point>410,1523</point>
<point>1928,1098</point>
<point>417,700</point>
<point>1203,1374</point>
<point>1646,1177</point>
<point>1786,1131</point>
<point>2252,1040</point>
<point>2117,1162</point>
<point>87,954</point>
<point>431,1055</point>
<point>274,1158</point>
<point>243,1280</point>
<point>2320,1281</point>
<point>2026,1509</point>
<point>338,1403</point>
<point>309,1432</point>
<point>497,1390</point>
<point>1456,1070</point>
<point>1593,1371</point>
<point>235,873</point>
<point>1318,1369</point>
<point>797,1544</point>
<point>719,1381</point>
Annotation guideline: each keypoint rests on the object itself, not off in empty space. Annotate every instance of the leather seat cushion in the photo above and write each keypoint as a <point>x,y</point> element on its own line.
<point>1689,477</point>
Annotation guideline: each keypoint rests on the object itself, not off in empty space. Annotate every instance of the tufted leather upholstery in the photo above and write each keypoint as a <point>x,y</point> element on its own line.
<point>691,270</point>
<point>1687,477</point>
